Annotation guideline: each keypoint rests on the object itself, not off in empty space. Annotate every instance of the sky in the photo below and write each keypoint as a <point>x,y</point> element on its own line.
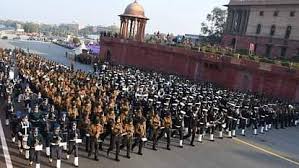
<point>167,16</point>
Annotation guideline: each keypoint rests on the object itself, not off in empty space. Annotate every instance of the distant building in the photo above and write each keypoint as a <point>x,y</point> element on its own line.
<point>194,38</point>
<point>270,27</point>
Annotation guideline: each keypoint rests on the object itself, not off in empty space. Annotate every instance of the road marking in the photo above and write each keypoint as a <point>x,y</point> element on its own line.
<point>266,151</point>
<point>5,148</point>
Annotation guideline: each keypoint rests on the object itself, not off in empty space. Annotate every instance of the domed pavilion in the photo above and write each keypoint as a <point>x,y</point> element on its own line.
<point>133,22</point>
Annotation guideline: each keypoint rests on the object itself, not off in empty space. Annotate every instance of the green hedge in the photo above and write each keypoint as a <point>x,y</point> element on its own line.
<point>266,60</point>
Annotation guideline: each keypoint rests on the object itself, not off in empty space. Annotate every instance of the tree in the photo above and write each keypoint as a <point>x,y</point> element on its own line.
<point>214,26</point>
<point>31,27</point>
<point>76,41</point>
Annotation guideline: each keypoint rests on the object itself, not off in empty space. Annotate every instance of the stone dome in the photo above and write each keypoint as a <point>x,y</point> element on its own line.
<point>134,10</point>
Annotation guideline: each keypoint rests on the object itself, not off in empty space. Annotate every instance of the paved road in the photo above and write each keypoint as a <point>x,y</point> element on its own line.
<point>226,153</point>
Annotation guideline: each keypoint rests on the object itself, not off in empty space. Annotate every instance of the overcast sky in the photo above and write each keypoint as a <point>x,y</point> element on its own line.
<point>168,16</point>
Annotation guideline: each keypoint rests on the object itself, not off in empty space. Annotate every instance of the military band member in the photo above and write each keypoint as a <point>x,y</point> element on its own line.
<point>23,133</point>
<point>117,133</point>
<point>96,129</point>
<point>165,129</point>
<point>74,135</point>
<point>35,142</point>
<point>55,145</point>
<point>140,131</point>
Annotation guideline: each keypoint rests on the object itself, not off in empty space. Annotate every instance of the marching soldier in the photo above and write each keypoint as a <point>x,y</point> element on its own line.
<point>23,133</point>
<point>262,113</point>
<point>203,119</point>
<point>179,126</point>
<point>110,120</point>
<point>254,120</point>
<point>155,124</point>
<point>96,129</point>
<point>55,145</point>
<point>117,133</point>
<point>244,116</point>
<point>74,135</point>
<point>236,114</point>
<point>64,127</point>
<point>128,134</point>
<point>9,110</point>
<point>35,143</point>
<point>140,131</point>
<point>166,126</point>
<point>35,117</point>
<point>212,122</point>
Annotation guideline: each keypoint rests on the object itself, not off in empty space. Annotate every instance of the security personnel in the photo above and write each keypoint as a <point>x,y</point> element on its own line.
<point>55,145</point>
<point>140,131</point>
<point>117,133</point>
<point>155,125</point>
<point>95,131</point>
<point>35,142</point>
<point>166,124</point>
<point>74,135</point>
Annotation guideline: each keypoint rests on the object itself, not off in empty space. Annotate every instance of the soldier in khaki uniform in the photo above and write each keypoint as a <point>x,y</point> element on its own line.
<point>140,131</point>
<point>166,124</point>
<point>117,133</point>
<point>128,134</point>
<point>155,124</point>
<point>96,129</point>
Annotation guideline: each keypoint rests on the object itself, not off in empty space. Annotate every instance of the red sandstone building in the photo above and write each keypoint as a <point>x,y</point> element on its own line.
<point>229,72</point>
<point>271,26</point>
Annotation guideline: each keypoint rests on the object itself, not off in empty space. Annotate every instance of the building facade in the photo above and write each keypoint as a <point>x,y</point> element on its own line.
<point>270,27</point>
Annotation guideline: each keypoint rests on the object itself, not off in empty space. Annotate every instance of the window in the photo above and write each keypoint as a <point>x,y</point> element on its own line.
<point>261,13</point>
<point>292,13</point>
<point>276,13</point>
<point>258,29</point>
<point>272,31</point>
<point>288,32</point>
<point>283,51</point>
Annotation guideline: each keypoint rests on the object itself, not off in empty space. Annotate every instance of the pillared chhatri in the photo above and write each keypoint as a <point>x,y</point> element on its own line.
<point>133,22</point>
<point>272,26</point>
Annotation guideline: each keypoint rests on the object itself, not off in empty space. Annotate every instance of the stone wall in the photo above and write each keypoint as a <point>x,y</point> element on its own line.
<point>243,42</point>
<point>227,71</point>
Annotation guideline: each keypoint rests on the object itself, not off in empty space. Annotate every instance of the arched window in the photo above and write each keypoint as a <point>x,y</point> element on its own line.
<point>288,32</point>
<point>272,31</point>
<point>258,29</point>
